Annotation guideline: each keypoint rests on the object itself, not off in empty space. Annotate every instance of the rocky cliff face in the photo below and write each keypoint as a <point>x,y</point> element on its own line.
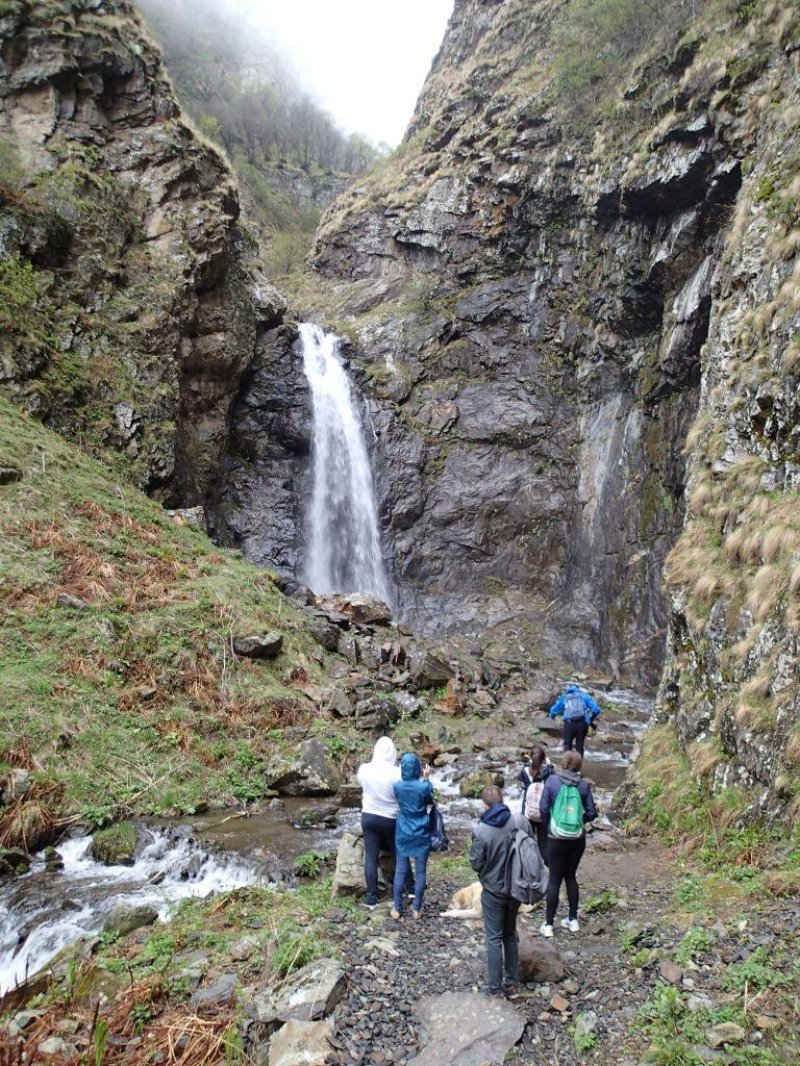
<point>530,301</point>
<point>130,313</point>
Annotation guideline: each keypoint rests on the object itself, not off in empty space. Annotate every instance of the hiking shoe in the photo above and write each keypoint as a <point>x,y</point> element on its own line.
<point>370,906</point>
<point>511,991</point>
<point>394,914</point>
<point>545,929</point>
<point>416,915</point>
<point>571,924</point>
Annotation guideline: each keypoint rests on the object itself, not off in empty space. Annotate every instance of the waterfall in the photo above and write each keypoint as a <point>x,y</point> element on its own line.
<point>342,540</point>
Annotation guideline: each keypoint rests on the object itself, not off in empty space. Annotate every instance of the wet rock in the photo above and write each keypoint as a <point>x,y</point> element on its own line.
<point>472,784</point>
<point>221,993</point>
<point>115,846</point>
<point>311,992</point>
<point>301,1043</point>
<point>124,919</point>
<point>266,646</point>
<point>307,772</point>
<point>13,861</point>
<point>312,817</point>
<point>349,795</point>
<point>466,1028</point>
<point>358,607</point>
<point>539,961</point>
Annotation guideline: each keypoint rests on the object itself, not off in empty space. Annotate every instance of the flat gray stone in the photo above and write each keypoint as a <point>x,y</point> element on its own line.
<point>266,646</point>
<point>311,992</point>
<point>466,1028</point>
<point>124,919</point>
<point>219,994</point>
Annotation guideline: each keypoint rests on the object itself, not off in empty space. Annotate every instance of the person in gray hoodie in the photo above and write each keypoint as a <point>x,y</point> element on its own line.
<point>488,857</point>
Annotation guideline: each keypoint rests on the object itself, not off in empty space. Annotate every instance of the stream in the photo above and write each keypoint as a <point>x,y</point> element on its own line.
<point>43,911</point>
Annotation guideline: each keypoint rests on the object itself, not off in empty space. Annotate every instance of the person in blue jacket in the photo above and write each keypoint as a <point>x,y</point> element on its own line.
<point>579,711</point>
<point>412,840</point>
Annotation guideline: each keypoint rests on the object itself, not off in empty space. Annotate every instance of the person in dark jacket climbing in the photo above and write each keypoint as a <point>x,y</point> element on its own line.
<point>536,773</point>
<point>488,857</point>
<point>579,711</point>
<point>565,853</point>
<point>412,840</point>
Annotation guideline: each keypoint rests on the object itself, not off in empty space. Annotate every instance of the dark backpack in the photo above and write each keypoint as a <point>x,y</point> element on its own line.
<point>574,707</point>
<point>526,874</point>
<point>439,838</point>
<point>567,812</point>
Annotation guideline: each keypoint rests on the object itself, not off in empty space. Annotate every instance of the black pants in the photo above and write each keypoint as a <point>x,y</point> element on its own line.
<point>541,839</point>
<point>575,729</point>
<point>564,858</point>
<point>378,837</point>
<point>502,943</point>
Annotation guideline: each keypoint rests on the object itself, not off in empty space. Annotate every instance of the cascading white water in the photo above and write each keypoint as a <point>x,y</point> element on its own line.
<point>40,913</point>
<point>343,547</point>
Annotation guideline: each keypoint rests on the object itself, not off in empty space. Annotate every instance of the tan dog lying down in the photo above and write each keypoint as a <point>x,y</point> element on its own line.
<point>466,903</point>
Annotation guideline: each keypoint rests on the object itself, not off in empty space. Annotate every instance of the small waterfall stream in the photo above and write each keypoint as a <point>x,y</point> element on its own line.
<point>343,547</point>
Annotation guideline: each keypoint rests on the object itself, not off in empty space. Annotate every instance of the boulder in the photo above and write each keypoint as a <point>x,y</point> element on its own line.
<point>552,726</point>
<point>265,646</point>
<point>299,1043</point>
<point>9,474</point>
<point>307,772</point>
<point>539,961</point>
<point>376,715</point>
<point>115,846</point>
<point>348,876</point>
<point>13,861</point>
<point>311,992</point>
<point>349,794</point>
<point>466,1028</point>
<point>429,670</point>
<point>357,607</point>
<point>339,705</point>
<point>221,993</point>
<point>472,784</point>
<point>124,919</point>
<point>325,633</point>
<point>312,817</point>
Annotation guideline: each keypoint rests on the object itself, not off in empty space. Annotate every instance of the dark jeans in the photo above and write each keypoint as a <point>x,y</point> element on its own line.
<point>541,839</point>
<point>502,946</point>
<point>575,729</point>
<point>401,874</point>
<point>378,837</point>
<point>564,856</point>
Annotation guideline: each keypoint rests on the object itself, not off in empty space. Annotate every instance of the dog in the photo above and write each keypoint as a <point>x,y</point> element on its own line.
<point>466,903</point>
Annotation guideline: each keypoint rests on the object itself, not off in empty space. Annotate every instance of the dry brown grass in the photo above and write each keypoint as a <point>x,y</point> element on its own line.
<point>765,591</point>
<point>32,821</point>
<point>782,883</point>
<point>704,758</point>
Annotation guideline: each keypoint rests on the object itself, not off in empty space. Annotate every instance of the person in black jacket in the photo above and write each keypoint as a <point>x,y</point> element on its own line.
<point>535,774</point>
<point>564,855</point>
<point>488,857</point>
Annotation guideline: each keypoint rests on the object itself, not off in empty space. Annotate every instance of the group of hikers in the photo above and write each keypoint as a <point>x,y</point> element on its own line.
<point>556,806</point>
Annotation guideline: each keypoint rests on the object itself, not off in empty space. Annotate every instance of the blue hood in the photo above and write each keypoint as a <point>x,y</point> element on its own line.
<point>410,767</point>
<point>496,815</point>
<point>574,688</point>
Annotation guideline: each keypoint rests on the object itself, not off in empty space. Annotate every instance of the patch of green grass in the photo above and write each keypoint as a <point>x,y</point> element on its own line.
<point>125,689</point>
<point>693,946</point>
<point>600,902</point>
<point>310,864</point>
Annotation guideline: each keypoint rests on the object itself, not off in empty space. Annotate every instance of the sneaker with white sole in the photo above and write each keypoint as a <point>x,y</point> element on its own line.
<point>571,924</point>
<point>545,929</point>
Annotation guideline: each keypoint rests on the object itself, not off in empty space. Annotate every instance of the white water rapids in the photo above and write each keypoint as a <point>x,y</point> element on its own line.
<point>343,546</point>
<point>40,912</point>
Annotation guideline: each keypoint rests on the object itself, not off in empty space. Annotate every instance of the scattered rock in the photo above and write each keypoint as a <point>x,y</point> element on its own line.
<point>325,633</point>
<point>348,876</point>
<point>244,948</point>
<point>311,992</point>
<point>429,670</point>
<point>466,1028</point>
<point>72,603</point>
<point>357,607</point>
<point>307,772</point>
<point>670,971</point>
<point>221,993</point>
<point>539,961</point>
<point>124,919</point>
<point>376,715</point>
<point>115,846</point>
<point>301,1043</point>
<point>586,1024</point>
<point>339,705</point>
<point>725,1033</point>
<point>9,475</point>
<point>472,784</point>
<point>267,646</point>
<point>312,817</point>
<point>189,516</point>
<point>54,1045</point>
<point>559,1003</point>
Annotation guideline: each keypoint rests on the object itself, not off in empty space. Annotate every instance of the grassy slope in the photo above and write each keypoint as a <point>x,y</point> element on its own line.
<point>134,701</point>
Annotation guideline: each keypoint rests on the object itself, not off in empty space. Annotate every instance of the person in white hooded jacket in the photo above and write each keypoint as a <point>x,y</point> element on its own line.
<point>378,810</point>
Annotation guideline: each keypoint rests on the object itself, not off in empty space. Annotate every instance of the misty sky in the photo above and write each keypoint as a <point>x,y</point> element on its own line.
<point>364,60</point>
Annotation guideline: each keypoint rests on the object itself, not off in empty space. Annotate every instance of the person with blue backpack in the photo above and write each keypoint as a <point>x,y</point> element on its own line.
<point>579,711</point>
<point>566,806</point>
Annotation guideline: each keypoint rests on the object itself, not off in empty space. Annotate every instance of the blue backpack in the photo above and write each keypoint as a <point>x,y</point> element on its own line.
<point>439,838</point>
